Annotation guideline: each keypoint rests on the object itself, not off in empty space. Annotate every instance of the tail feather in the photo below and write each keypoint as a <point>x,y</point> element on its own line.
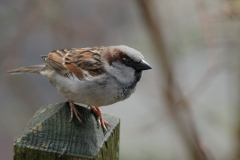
<point>30,69</point>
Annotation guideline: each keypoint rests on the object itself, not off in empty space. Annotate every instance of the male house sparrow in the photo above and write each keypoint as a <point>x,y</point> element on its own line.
<point>95,76</point>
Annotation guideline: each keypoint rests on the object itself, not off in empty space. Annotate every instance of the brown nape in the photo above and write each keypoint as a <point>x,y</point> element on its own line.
<point>118,56</point>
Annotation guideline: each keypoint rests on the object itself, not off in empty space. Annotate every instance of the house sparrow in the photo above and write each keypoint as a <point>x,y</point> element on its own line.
<point>95,76</point>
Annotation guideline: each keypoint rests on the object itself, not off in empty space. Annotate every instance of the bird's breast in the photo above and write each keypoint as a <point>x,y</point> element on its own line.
<point>95,92</point>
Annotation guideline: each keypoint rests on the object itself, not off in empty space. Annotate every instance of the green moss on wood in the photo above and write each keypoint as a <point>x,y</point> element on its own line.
<point>49,135</point>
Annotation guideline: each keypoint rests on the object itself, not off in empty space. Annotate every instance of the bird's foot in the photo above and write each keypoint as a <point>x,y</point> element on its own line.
<point>100,118</point>
<point>74,111</point>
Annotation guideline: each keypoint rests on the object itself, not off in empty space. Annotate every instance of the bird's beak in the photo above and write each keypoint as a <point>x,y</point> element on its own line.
<point>143,65</point>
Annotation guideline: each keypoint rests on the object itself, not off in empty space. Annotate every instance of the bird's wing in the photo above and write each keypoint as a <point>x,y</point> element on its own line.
<point>68,62</point>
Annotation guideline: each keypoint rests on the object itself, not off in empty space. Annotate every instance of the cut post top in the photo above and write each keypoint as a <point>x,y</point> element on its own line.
<point>50,131</point>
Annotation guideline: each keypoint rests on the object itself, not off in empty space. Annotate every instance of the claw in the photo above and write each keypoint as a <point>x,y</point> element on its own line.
<point>74,111</point>
<point>100,119</point>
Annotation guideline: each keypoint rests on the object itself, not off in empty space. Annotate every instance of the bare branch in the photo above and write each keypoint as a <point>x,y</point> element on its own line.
<point>172,91</point>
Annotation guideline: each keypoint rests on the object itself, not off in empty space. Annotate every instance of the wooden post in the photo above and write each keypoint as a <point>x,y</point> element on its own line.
<point>50,136</point>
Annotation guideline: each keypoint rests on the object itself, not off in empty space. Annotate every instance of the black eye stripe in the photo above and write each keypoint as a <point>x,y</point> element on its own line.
<point>127,60</point>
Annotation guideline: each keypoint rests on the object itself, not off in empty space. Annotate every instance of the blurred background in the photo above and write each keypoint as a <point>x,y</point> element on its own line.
<point>185,108</point>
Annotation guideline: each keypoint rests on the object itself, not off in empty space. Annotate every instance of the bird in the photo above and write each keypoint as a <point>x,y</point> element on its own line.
<point>94,76</point>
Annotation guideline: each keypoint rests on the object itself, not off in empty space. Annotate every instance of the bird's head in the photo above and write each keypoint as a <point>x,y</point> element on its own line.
<point>124,63</point>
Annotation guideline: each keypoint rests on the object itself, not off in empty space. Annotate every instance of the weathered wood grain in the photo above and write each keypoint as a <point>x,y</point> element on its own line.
<point>49,135</point>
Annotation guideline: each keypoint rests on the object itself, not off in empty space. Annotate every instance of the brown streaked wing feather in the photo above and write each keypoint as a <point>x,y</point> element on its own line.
<point>75,61</point>
<point>54,61</point>
<point>72,68</point>
<point>87,59</point>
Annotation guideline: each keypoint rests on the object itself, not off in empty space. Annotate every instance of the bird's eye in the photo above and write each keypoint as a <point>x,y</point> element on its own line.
<point>127,60</point>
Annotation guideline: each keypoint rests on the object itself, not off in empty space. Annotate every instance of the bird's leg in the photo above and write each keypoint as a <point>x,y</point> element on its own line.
<point>95,112</point>
<point>74,111</point>
<point>100,118</point>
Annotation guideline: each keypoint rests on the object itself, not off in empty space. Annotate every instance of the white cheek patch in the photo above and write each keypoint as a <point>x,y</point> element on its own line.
<point>123,73</point>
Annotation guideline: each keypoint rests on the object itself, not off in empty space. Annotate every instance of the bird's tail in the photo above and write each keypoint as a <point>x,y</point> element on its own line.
<point>30,69</point>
